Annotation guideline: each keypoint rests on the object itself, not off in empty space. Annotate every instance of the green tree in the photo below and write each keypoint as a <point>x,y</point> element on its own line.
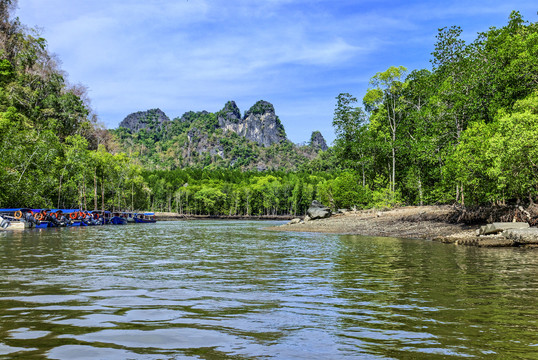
<point>211,198</point>
<point>386,96</point>
<point>352,140</point>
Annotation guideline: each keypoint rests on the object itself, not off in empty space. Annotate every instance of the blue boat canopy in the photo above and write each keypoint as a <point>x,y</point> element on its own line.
<point>66,211</point>
<point>17,209</point>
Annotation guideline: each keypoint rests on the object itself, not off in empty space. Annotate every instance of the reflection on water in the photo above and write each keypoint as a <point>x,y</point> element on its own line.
<point>214,290</point>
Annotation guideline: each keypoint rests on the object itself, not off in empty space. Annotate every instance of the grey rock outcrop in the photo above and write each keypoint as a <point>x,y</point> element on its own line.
<point>154,119</point>
<point>318,211</point>
<point>522,236</point>
<point>229,115</point>
<point>259,124</point>
<point>499,227</point>
<point>317,141</point>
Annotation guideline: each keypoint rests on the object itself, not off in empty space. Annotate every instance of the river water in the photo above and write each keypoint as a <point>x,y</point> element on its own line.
<point>230,290</point>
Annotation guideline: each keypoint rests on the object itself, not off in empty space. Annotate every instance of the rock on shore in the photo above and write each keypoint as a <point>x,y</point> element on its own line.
<point>406,222</point>
<point>318,211</point>
<point>522,236</point>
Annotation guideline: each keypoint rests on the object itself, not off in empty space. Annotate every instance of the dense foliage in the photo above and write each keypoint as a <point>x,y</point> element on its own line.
<point>463,132</point>
<point>235,192</point>
<point>53,153</point>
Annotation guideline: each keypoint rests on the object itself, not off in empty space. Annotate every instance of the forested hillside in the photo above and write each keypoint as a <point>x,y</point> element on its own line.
<point>464,131</point>
<point>223,139</point>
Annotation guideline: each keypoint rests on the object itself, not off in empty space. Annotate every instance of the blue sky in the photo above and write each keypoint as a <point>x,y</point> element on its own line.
<point>182,55</point>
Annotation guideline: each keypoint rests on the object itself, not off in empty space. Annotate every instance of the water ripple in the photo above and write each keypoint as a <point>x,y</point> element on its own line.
<point>214,290</point>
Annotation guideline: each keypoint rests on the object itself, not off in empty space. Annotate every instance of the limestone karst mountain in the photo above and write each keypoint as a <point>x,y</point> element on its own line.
<point>255,140</point>
<point>259,124</point>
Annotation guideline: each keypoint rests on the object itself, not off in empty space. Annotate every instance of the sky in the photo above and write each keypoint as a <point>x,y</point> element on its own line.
<point>194,55</point>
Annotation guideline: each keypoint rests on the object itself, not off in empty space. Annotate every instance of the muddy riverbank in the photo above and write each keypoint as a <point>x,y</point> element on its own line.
<point>437,223</point>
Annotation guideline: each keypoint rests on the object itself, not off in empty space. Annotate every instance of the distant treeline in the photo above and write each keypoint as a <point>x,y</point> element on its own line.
<point>235,192</point>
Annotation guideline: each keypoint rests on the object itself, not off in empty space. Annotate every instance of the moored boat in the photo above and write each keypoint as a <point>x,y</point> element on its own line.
<point>118,219</point>
<point>9,223</point>
<point>130,217</point>
<point>22,218</point>
<point>13,218</point>
<point>50,218</point>
<point>98,217</point>
<point>75,217</point>
<point>144,218</point>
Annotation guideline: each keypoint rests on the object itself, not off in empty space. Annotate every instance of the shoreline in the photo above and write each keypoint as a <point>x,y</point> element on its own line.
<point>441,223</point>
<point>414,222</point>
<point>166,216</point>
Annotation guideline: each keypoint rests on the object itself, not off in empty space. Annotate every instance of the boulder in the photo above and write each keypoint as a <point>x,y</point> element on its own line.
<point>522,236</point>
<point>495,242</point>
<point>499,227</point>
<point>294,221</point>
<point>318,211</point>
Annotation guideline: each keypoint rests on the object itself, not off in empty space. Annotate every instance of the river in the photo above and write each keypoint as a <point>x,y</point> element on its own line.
<point>231,290</point>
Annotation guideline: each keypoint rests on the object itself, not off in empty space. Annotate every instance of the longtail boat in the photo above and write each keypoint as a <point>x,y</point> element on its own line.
<point>129,216</point>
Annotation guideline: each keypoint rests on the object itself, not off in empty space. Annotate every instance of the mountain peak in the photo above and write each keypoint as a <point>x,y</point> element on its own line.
<point>317,141</point>
<point>260,123</point>
<point>229,113</point>
<point>152,119</point>
<point>261,107</point>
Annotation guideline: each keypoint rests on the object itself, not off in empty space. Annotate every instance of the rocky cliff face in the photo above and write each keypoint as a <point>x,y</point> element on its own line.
<point>154,119</point>
<point>260,123</point>
<point>317,141</point>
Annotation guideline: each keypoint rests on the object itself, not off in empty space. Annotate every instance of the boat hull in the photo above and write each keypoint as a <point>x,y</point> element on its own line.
<point>15,226</point>
<point>42,225</point>
<point>117,220</point>
<point>144,221</point>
